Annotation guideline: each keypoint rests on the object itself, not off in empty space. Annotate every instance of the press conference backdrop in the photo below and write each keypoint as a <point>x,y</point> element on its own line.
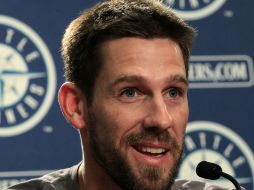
<point>36,139</point>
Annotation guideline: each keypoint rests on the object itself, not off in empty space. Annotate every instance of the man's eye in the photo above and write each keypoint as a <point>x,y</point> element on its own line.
<point>130,92</point>
<point>174,92</point>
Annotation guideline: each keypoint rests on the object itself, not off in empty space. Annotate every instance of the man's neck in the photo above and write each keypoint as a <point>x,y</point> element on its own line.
<point>93,177</point>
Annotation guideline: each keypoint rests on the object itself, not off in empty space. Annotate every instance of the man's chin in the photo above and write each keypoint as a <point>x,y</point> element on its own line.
<point>159,184</point>
<point>153,178</point>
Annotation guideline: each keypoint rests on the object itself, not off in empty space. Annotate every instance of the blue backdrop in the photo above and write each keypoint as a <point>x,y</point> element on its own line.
<point>36,139</point>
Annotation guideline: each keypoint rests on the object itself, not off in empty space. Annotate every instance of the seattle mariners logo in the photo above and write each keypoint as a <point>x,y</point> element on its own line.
<point>194,9</point>
<point>27,77</point>
<point>216,143</point>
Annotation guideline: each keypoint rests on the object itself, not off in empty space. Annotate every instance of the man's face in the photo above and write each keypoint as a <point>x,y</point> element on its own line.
<point>139,112</point>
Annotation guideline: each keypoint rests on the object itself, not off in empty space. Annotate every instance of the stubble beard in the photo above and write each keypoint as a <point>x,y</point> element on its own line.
<point>118,168</point>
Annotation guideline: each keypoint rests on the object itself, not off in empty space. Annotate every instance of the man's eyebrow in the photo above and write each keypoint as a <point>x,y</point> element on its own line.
<point>125,78</point>
<point>178,78</point>
<point>135,78</point>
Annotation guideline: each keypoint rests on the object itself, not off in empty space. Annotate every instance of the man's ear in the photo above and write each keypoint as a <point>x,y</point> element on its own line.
<point>73,104</point>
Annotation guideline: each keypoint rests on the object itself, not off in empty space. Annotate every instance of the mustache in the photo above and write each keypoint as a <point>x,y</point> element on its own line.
<point>164,137</point>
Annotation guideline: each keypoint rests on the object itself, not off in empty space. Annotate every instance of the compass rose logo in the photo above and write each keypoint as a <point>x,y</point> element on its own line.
<point>216,143</point>
<point>27,77</point>
<point>194,9</point>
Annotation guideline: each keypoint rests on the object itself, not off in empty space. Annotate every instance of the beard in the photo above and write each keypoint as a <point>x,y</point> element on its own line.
<point>118,167</point>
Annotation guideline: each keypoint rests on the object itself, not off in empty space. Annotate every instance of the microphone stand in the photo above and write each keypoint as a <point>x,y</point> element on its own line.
<point>230,178</point>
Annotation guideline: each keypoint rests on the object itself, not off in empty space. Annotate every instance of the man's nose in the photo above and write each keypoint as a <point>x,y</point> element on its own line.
<point>158,115</point>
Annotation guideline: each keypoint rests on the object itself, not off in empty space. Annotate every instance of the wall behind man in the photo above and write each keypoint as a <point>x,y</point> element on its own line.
<point>34,136</point>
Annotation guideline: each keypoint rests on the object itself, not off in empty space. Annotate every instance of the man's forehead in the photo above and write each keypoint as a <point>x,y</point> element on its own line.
<point>133,48</point>
<point>139,43</point>
<point>133,56</point>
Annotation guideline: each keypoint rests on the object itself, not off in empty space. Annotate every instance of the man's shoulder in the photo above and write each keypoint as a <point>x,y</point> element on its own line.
<point>197,185</point>
<point>58,180</point>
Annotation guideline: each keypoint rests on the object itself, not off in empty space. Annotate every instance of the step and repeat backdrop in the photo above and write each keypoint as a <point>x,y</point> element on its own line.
<point>34,136</point>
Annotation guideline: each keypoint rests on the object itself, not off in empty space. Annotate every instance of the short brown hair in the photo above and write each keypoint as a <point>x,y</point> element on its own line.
<point>116,19</point>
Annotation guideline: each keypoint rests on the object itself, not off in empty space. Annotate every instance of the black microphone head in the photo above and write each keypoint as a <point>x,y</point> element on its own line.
<point>208,170</point>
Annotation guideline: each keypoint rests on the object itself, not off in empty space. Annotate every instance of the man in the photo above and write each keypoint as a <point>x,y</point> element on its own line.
<point>126,66</point>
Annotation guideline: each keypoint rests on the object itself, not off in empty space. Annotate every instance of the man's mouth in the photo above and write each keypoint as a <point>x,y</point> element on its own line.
<point>151,151</point>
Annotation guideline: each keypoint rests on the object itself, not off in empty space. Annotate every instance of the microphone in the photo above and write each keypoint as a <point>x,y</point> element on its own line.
<point>213,171</point>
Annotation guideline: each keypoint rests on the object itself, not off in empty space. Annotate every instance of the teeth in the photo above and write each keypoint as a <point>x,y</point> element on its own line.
<point>153,150</point>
